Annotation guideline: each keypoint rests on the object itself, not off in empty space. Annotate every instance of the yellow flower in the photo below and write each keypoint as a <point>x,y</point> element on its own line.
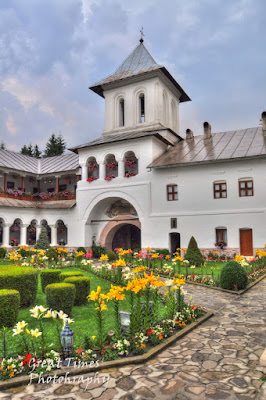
<point>143,345</point>
<point>148,248</point>
<point>178,258</point>
<point>116,293</point>
<point>167,257</point>
<point>104,257</point>
<point>93,337</point>
<point>35,333</point>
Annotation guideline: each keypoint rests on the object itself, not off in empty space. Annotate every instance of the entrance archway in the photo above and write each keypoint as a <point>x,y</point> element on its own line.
<point>127,236</point>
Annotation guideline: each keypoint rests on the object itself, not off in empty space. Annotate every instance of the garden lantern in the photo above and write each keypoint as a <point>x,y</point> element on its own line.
<point>67,339</point>
<point>124,320</point>
<point>143,306</point>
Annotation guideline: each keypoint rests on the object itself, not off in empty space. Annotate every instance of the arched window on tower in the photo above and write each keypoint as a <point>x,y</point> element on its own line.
<point>174,115</point>
<point>131,164</point>
<point>121,112</point>
<point>141,108</point>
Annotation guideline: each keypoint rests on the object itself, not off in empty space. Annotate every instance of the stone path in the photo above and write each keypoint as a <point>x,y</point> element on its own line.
<point>219,360</point>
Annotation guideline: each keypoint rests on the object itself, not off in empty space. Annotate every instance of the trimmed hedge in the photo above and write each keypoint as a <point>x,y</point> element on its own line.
<point>82,284</point>
<point>81,249</point>
<point>60,296</point>
<point>2,252</point>
<point>49,276</point>
<point>68,274</point>
<point>193,254</point>
<point>233,276</point>
<point>52,254</point>
<point>112,256</point>
<point>9,307</point>
<point>22,279</point>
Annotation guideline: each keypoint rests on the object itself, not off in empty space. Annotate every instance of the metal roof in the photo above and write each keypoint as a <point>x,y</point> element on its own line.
<point>230,145</point>
<point>6,202</point>
<point>138,62</point>
<point>13,160</point>
<point>123,136</point>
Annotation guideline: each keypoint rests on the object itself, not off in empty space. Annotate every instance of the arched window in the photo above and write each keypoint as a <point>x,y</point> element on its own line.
<point>31,232</point>
<point>2,223</point>
<point>61,233</point>
<point>131,164</point>
<point>121,112</point>
<point>174,115</point>
<point>93,169</point>
<point>141,107</point>
<point>15,232</point>
<point>111,167</point>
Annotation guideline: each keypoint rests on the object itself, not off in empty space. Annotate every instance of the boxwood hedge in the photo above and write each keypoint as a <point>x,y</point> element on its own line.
<point>68,274</point>
<point>9,306</point>
<point>22,279</point>
<point>60,296</point>
<point>49,276</point>
<point>82,284</point>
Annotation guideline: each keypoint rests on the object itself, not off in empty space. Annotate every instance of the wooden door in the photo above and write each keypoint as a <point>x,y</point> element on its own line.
<point>246,243</point>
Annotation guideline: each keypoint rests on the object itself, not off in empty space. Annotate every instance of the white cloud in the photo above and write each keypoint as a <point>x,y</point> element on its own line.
<point>10,125</point>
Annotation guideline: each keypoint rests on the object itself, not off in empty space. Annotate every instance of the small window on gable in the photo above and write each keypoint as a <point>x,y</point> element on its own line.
<point>219,190</point>
<point>171,191</point>
<point>173,223</point>
<point>246,187</point>
<point>121,112</point>
<point>142,108</point>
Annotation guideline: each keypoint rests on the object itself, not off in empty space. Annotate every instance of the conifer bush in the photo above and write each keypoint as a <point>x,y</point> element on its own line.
<point>43,241</point>
<point>2,252</point>
<point>82,284</point>
<point>49,276</point>
<point>60,296</point>
<point>111,256</point>
<point>193,254</point>
<point>81,249</point>
<point>233,276</point>
<point>9,307</point>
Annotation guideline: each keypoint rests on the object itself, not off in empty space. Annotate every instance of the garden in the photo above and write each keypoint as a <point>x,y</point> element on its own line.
<point>96,306</point>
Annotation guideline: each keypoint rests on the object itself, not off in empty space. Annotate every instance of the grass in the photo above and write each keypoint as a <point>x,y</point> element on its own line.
<point>214,267</point>
<point>84,321</point>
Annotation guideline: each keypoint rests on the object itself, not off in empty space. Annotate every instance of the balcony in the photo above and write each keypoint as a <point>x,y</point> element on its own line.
<point>37,197</point>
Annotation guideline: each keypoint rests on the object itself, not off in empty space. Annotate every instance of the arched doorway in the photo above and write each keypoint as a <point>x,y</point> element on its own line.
<point>127,236</point>
<point>174,242</point>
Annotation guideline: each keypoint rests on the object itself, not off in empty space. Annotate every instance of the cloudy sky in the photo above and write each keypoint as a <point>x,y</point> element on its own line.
<point>52,50</point>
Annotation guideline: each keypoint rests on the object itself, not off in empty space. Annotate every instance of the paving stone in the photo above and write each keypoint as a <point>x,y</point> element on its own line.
<point>107,395</point>
<point>216,394</point>
<point>188,377</point>
<point>16,389</point>
<point>83,394</point>
<point>127,397</point>
<point>145,393</point>
<point>172,387</point>
<point>63,389</point>
<point>209,365</point>
<point>196,389</point>
<point>214,375</point>
<point>126,383</point>
<point>239,382</point>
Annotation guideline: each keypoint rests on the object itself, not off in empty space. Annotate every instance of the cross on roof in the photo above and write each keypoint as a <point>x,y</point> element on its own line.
<point>141,35</point>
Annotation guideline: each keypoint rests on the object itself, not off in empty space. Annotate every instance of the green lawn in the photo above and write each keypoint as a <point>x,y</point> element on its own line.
<point>83,316</point>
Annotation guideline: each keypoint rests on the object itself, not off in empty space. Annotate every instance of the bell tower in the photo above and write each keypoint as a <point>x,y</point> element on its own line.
<point>140,95</point>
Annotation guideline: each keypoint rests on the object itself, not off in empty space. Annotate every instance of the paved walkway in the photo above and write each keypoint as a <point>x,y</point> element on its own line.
<point>219,360</point>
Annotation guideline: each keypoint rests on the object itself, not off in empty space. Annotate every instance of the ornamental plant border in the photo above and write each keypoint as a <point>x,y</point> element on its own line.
<point>24,380</point>
<point>239,292</point>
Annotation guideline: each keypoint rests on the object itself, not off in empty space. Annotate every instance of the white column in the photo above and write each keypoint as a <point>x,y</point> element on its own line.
<point>54,235</point>
<point>38,231</point>
<point>101,170</point>
<point>6,233</point>
<point>121,168</point>
<point>84,173</point>
<point>23,235</point>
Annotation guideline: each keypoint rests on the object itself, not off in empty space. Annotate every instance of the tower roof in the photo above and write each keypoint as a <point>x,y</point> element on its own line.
<point>137,63</point>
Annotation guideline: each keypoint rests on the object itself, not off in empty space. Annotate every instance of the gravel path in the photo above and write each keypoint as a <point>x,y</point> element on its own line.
<point>218,360</point>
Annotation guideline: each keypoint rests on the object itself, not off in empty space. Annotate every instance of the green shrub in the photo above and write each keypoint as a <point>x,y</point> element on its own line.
<point>52,254</point>
<point>81,249</point>
<point>82,284</point>
<point>111,256</point>
<point>193,254</point>
<point>22,279</point>
<point>9,306</point>
<point>23,252</point>
<point>60,296</point>
<point>97,251</point>
<point>49,276</point>
<point>69,274</point>
<point>233,276</point>
<point>2,252</point>
<point>165,252</point>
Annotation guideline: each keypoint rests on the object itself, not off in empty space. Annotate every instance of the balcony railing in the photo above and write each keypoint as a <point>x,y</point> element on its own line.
<point>40,196</point>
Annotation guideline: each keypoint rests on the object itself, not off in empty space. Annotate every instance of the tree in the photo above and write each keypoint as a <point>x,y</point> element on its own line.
<point>27,150</point>
<point>2,145</point>
<point>43,240</point>
<point>193,254</point>
<point>55,146</point>
<point>36,152</point>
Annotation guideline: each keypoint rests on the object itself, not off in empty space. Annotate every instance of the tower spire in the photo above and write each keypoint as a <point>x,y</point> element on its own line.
<point>141,35</point>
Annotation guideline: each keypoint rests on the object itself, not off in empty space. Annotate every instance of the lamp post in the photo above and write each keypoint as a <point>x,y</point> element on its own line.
<point>124,320</point>
<point>67,341</point>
